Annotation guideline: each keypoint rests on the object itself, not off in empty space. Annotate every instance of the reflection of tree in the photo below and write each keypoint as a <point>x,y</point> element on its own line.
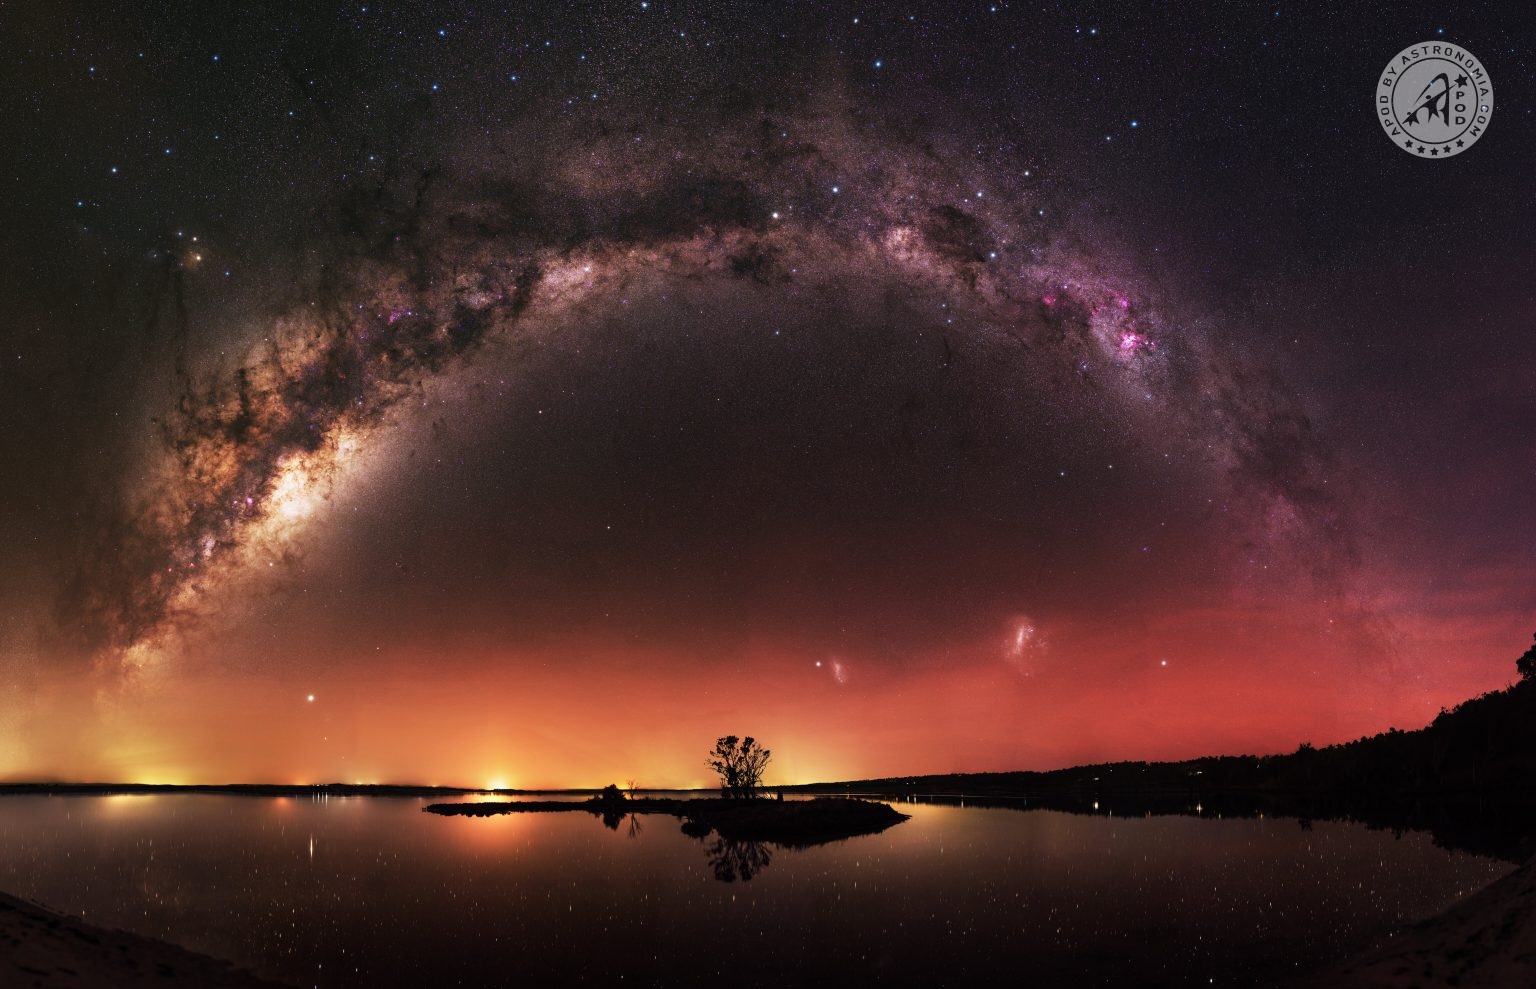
<point>734,860</point>
<point>634,825</point>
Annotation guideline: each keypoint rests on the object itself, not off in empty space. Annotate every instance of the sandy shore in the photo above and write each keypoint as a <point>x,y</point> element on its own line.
<point>1489,939</point>
<point>40,948</point>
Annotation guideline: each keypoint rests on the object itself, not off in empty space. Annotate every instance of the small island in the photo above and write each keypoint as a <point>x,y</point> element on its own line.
<point>737,815</point>
<point>792,823</point>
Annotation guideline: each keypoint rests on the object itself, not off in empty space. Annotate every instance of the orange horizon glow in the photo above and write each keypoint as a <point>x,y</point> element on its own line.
<point>505,722</point>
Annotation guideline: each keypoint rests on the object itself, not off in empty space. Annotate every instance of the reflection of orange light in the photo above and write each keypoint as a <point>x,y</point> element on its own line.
<point>498,832</point>
<point>117,805</point>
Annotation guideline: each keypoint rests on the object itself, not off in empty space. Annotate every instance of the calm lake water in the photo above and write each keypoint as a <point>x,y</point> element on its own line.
<point>369,891</point>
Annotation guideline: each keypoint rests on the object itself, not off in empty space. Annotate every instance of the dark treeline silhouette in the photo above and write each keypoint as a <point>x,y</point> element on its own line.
<point>1526,664</point>
<point>1469,777</point>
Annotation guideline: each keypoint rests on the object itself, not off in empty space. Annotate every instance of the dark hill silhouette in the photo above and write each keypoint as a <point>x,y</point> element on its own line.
<point>1469,777</point>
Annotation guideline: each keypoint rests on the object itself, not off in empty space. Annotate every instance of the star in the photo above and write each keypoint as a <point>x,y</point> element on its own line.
<point>1461,80</point>
<point>427,282</point>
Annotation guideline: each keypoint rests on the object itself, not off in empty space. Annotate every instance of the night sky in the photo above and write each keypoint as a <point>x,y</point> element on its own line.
<point>464,393</point>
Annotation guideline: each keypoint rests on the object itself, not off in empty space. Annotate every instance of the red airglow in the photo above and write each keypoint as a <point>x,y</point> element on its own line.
<point>1209,681</point>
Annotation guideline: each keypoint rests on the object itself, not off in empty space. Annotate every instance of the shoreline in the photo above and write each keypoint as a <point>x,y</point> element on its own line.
<point>41,948</point>
<point>1488,939</point>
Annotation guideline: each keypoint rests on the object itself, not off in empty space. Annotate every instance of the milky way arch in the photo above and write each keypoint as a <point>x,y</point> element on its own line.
<point>415,275</point>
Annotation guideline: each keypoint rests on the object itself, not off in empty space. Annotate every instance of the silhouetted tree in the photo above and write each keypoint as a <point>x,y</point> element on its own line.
<point>611,804</point>
<point>1526,664</point>
<point>739,763</point>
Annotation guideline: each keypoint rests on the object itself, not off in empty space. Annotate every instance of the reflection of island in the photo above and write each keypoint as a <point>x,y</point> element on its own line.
<point>743,829</point>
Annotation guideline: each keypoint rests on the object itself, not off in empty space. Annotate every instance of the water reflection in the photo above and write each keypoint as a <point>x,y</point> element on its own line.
<point>730,860</point>
<point>373,892</point>
<point>1485,825</point>
<point>733,860</point>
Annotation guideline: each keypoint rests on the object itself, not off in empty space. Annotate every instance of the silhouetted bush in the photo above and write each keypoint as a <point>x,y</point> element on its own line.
<point>1526,665</point>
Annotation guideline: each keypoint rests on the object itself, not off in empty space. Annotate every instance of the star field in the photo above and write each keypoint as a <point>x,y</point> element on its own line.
<point>970,386</point>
